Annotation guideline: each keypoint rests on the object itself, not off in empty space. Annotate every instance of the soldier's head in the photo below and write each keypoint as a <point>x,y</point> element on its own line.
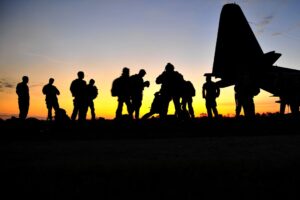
<point>51,81</point>
<point>169,67</point>
<point>208,77</point>
<point>25,79</point>
<point>80,75</point>
<point>92,82</point>
<point>142,72</point>
<point>125,71</point>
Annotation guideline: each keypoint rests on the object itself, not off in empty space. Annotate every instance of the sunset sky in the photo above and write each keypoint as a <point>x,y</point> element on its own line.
<point>57,38</point>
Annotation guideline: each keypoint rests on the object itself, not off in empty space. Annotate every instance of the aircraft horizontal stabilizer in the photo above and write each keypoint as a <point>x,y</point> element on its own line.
<point>270,58</point>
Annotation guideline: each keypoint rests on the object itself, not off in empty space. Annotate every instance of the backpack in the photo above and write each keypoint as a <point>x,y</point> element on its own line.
<point>190,88</point>
<point>115,89</point>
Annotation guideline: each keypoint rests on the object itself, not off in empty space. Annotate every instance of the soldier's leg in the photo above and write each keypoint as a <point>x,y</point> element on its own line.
<point>176,101</point>
<point>215,111</point>
<point>119,108</point>
<point>75,110</point>
<point>209,113</point>
<point>165,100</point>
<point>129,106</point>
<point>49,114</point>
<point>92,110</point>
<point>191,109</point>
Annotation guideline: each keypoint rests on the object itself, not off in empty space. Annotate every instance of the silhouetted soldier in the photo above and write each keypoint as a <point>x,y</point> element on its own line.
<point>210,91</point>
<point>22,91</point>
<point>78,90</point>
<point>286,93</point>
<point>245,90</point>
<point>156,106</point>
<point>51,93</point>
<point>61,117</point>
<point>171,89</point>
<point>282,89</point>
<point>187,98</point>
<point>137,86</point>
<point>293,100</point>
<point>92,93</point>
<point>121,89</point>
<point>238,102</point>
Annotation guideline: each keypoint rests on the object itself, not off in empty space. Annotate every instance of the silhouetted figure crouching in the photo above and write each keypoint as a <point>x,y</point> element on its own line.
<point>156,106</point>
<point>61,116</point>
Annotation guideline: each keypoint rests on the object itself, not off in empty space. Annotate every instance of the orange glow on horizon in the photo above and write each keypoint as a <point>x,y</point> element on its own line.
<point>106,105</point>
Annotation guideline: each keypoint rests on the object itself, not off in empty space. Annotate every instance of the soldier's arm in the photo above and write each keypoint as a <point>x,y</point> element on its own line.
<point>218,91</point>
<point>160,78</point>
<point>146,84</point>
<point>57,92</point>
<point>203,91</point>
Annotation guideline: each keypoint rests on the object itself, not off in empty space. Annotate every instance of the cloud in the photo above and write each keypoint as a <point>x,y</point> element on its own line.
<point>276,10</point>
<point>265,21</point>
<point>6,84</point>
<point>276,33</point>
<point>261,25</point>
<point>36,85</point>
<point>288,32</point>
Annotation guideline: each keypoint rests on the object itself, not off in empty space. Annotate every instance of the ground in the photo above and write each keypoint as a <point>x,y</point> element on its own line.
<point>227,158</point>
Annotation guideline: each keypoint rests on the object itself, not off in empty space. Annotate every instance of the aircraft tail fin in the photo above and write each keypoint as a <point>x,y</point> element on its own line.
<point>237,49</point>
